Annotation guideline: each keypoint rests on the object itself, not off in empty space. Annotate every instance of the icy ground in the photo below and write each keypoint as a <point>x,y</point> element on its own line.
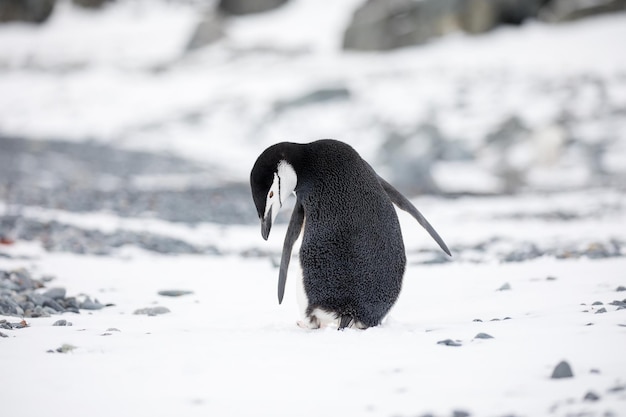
<point>230,349</point>
<point>124,165</point>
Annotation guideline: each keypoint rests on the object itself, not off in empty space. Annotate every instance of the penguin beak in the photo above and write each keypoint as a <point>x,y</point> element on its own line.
<point>266,224</point>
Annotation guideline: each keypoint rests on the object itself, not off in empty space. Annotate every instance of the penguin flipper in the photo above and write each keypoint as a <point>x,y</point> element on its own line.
<point>403,203</point>
<point>293,231</point>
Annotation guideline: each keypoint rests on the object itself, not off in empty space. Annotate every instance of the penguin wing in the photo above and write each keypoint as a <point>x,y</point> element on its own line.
<point>402,202</point>
<point>293,231</point>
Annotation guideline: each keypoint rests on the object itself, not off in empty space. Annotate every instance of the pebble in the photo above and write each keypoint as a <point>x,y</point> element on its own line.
<point>64,348</point>
<point>460,413</point>
<point>3,335</point>
<point>174,293</point>
<point>562,370</point>
<point>449,342</point>
<point>88,304</point>
<point>600,311</point>
<point>505,287</point>
<point>620,288</point>
<point>62,322</point>
<point>20,296</point>
<point>483,336</point>
<point>591,396</point>
<point>597,303</point>
<point>152,311</point>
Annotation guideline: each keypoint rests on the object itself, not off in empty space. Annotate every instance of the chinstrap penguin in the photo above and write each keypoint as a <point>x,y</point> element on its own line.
<point>352,252</point>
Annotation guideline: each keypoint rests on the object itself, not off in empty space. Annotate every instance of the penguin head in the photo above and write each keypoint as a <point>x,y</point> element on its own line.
<point>272,180</point>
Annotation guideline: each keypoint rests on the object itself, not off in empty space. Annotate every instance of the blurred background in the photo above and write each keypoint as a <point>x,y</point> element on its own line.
<point>158,108</point>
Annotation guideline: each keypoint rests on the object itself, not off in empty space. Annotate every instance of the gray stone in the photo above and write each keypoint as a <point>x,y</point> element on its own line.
<point>174,293</point>
<point>65,348</point>
<point>601,310</point>
<point>597,303</point>
<point>55,293</point>
<point>53,304</point>
<point>3,335</point>
<point>33,11</point>
<point>562,370</point>
<point>88,304</point>
<point>62,322</point>
<point>316,96</point>
<point>152,311</point>
<point>449,342</point>
<point>505,287</point>
<point>207,31</point>
<point>91,4</point>
<point>567,10</point>
<point>460,413</point>
<point>483,336</point>
<point>620,288</point>
<point>591,396</point>
<point>242,7</point>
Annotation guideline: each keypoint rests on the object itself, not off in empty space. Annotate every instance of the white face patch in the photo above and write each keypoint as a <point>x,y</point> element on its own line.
<point>283,184</point>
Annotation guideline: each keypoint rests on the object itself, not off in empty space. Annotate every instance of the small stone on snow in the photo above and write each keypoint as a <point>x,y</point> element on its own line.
<point>562,370</point>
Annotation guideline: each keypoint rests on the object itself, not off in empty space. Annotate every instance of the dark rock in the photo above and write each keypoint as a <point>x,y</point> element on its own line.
<point>33,11</point>
<point>505,287</point>
<point>460,413</point>
<point>562,370</point>
<point>620,288</point>
<point>477,320</point>
<point>551,278</point>
<point>597,303</point>
<point>483,336</point>
<point>3,335</point>
<point>207,31</point>
<point>62,323</point>
<point>53,304</point>
<point>152,311</point>
<point>591,396</point>
<point>91,4</point>
<point>449,342</point>
<point>243,7</point>
<point>174,293</point>
<point>601,310</point>
<point>567,10</point>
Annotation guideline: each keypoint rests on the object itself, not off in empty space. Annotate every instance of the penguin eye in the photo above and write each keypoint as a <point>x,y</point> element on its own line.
<point>271,194</point>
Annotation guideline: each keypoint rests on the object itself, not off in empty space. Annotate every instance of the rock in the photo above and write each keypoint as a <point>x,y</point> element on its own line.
<point>3,335</point>
<point>591,396</point>
<point>62,323</point>
<point>65,348</point>
<point>174,293</point>
<point>207,31</point>
<point>449,342</point>
<point>52,304</point>
<point>379,25</point>
<point>483,336</point>
<point>597,303</point>
<point>505,287</point>
<point>88,304</point>
<point>460,413</point>
<point>243,7</point>
<point>600,311</point>
<point>152,311</point>
<point>620,288</point>
<point>33,11</point>
<point>55,293</point>
<point>90,4</point>
<point>315,96</point>
<point>562,370</point>
<point>567,10</point>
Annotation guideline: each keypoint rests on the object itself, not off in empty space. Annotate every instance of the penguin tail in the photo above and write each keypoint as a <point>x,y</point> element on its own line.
<point>345,321</point>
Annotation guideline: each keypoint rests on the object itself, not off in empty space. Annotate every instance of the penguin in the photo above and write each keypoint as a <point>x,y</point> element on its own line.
<point>352,251</point>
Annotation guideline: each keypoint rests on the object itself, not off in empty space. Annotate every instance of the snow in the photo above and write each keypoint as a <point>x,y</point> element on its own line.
<point>120,76</point>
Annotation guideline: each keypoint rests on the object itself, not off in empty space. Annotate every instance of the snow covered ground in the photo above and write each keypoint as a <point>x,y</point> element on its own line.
<point>229,348</point>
